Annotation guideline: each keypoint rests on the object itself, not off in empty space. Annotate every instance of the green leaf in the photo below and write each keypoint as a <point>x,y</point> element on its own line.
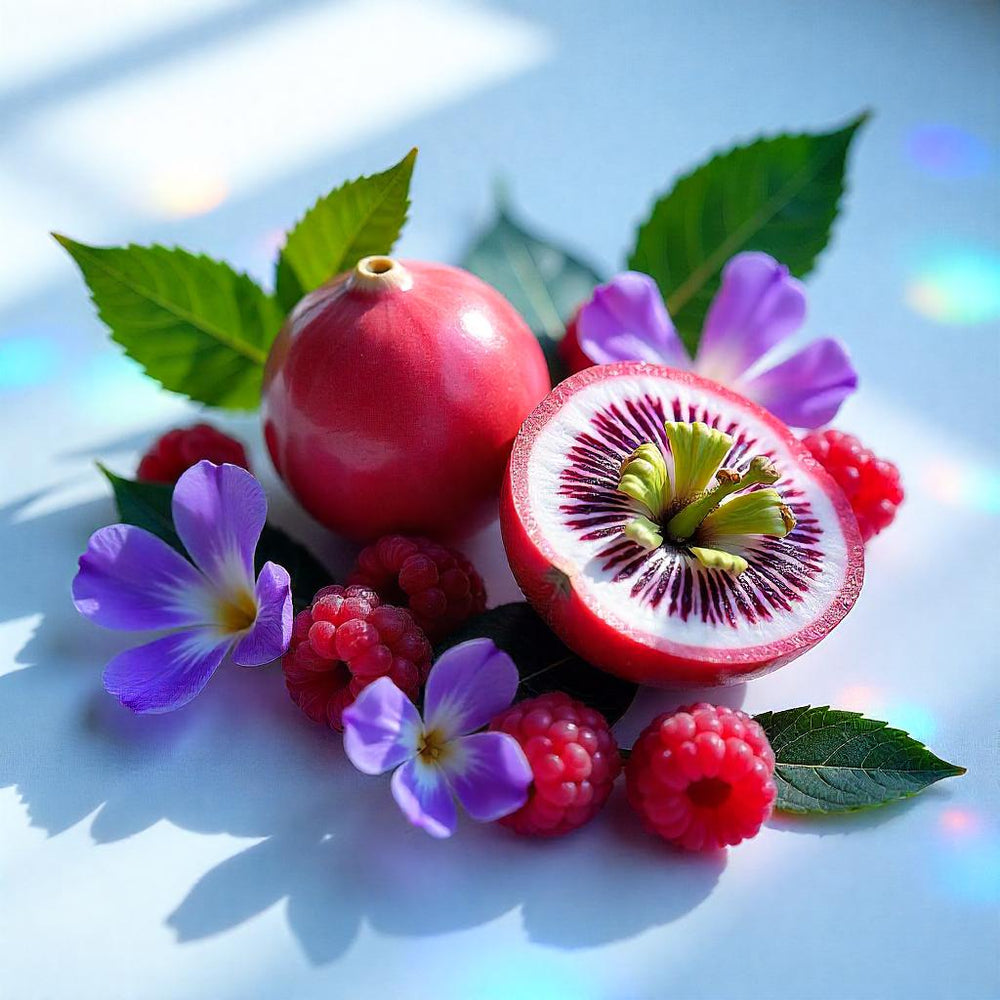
<point>147,505</point>
<point>831,761</point>
<point>777,195</point>
<point>543,661</point>
<point>195,325</point>
<point>360,218</point>
<point>544,282</point>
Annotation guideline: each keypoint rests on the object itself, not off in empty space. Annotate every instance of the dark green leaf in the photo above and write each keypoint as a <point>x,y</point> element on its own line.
<point>147,505</point>
<point>543,661</point>
<point>308,573</point>
<point>831,761</point>
<point>360,218</point>
<point>195,325</point>
<point>778,195</point>
<point>544,282</point>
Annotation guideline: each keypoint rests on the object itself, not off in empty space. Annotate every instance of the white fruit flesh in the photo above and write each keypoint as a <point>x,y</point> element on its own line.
<point>666,596</point>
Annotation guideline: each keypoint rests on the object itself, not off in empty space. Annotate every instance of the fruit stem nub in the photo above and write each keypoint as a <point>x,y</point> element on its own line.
<point>378,273</point>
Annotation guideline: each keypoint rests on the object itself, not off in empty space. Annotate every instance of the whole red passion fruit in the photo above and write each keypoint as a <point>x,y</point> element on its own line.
<point>392,397</point>
<point>673,532</point>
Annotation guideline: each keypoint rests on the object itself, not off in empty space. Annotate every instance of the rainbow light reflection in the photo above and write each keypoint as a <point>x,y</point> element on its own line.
<point>186,190</point>
<point>910,716</point>
<point>26,362</point>
<point>956,286</point>
<point>967,487</point>
<point>947,151</point>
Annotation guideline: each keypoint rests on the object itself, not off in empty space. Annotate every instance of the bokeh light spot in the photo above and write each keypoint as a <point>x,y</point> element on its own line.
<point>971,871</point>
<point>914,719</point>
<point>26,362</point>
<point>947,151</point>
<point>966,486</point>
<point>957,822</point>
<point>956,286</point>
<point>185,190</point>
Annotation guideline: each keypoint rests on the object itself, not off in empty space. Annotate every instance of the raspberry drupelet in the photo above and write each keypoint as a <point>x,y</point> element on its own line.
<point>345,640</point>
<point>173,454</point>
<point>438,585</point>
<point>574,759</point>
<point>702,777</point>
<point>870,483</point>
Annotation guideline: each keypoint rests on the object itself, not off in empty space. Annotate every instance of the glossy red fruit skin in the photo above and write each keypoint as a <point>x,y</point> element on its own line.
<point>570,352</point>
<point>552,594</point>
<point>393,408</point>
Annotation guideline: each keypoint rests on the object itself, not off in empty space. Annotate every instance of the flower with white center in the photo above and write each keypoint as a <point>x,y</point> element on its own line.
<point>441,756</point>
<point>131,580</point>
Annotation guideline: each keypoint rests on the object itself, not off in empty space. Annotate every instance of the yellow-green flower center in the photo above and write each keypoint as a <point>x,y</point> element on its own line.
<point>698,504</point>
<point>237,611</point>
<point>433,748</point>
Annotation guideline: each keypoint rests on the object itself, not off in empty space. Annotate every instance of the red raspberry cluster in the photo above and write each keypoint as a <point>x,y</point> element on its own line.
<point>870,483</point>
<point>702,777</point>
<point>174,453</point>
<point>345,640</point>
<point>438,585</point>
<point>573,757</point>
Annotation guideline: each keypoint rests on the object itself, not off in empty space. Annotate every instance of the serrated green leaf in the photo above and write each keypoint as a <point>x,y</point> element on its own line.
<point>360,218</point>
<point>543,281</point>
<point>195,325</point>
<point>544,662</point>
<point>831,761</point>
<point>778,195</point>
<point>148,505</point>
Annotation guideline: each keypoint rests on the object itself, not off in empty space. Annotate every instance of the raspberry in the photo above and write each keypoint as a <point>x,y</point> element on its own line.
<point>342,642</point>
<point>570,352</point>
<point>439,586</point>
<point>179,449</point>
<point>870,483</point>
<point>574,759</point>
<point>702,777</point>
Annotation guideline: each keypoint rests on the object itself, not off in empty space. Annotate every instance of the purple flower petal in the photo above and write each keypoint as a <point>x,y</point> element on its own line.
<point>381,728</point>
<point>808,388</point>
<point>219,513</point>
<point>489,773</point>
<point>270,634</point>
<point>758,305</point>
<point>626,320</point>
<point>467,686</point>
<point>422,793</point>
<point>167,673</point>
<point>131,580</point>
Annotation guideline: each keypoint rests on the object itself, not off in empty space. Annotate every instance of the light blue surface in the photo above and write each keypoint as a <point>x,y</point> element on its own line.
<point>229,851</point>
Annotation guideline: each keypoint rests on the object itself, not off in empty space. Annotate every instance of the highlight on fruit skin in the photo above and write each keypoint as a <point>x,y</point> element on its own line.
<point>393,394</point>
<point>672,532</point>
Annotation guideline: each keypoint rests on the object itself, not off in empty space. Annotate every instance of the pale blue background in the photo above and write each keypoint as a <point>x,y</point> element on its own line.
<point>229,851</point>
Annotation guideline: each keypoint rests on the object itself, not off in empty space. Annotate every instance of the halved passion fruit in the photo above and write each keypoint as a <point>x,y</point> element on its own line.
<point>671,531</point>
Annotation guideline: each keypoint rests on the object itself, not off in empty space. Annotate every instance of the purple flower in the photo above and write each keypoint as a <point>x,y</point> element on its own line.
<point>758,306</point>
<point>435,758</point>
<point>133,581</point>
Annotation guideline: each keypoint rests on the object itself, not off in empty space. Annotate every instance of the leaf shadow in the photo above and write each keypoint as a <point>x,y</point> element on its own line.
<point>340,868</point>
<point>831,824</point>
<point>241,759</point>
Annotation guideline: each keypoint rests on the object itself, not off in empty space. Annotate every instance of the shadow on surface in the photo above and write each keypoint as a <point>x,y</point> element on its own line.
<point>241,759</point>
